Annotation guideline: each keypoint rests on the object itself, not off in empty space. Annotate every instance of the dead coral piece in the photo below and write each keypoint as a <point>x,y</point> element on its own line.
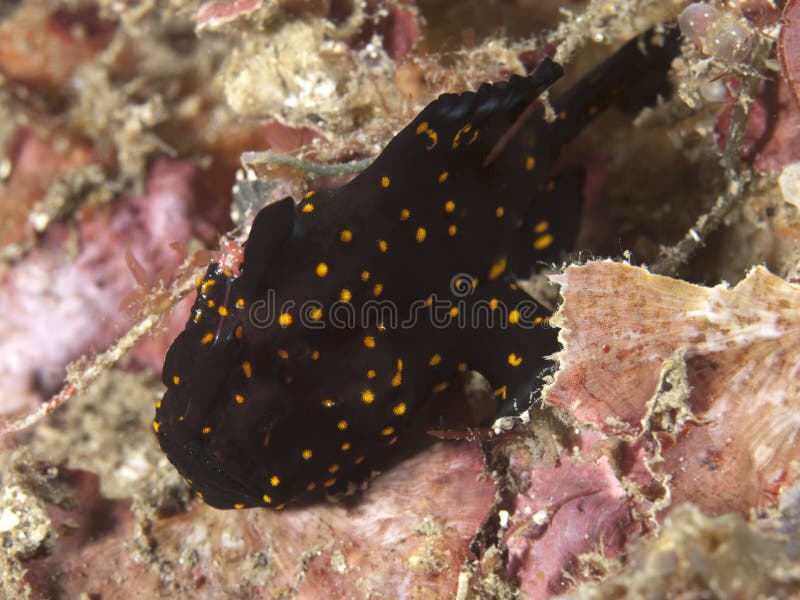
<point>789,181</point>
<point>698,556</point>
<point>25,528</point>
<point>302,77</point>
<point>409,534</point>
<point>732,445</point>
<point>104,430</point>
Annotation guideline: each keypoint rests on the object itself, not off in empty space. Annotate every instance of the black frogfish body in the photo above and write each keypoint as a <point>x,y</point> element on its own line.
<point>355,307</point>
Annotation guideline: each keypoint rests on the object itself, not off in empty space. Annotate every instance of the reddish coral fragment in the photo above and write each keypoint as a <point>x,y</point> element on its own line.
<point>400,32</point>
<point>218,12</point>
<point>62,42</point>
<point>283,138</point>
<point>734,408</point>
<point>789,45</point>
<point>568,510</point>
<point>771,141</point>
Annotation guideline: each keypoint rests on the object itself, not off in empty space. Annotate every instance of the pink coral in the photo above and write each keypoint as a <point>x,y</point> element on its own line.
<point>711,374</point>
<point>63,306</point>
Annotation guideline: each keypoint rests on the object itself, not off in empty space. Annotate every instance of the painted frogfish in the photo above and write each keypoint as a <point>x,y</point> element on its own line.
<point>305,369</point>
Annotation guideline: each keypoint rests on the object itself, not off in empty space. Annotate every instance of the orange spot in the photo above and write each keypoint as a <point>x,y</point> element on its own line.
<point>239,399</point>
<point>497,269</point>
<point>207,338</point>
<point>543,241</point>
<point>207,284</point>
